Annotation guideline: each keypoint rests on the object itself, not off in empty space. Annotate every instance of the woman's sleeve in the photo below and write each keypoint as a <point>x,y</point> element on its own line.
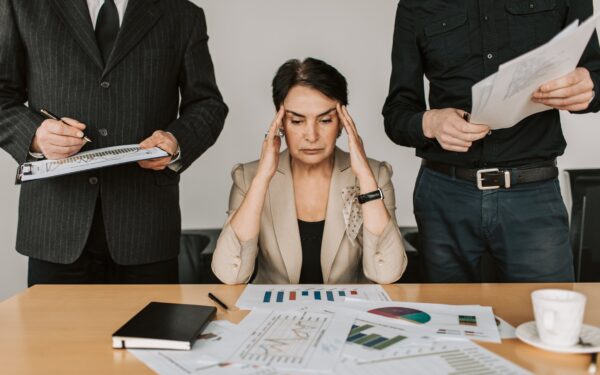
<point>233,261</point>
<point>384,257</point>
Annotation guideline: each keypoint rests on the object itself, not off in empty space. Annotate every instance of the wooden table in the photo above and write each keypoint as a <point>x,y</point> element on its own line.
<point>67,329</point>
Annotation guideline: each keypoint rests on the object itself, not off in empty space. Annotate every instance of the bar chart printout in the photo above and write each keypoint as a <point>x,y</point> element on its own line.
<point>273,296</point>
<point>453,357</point>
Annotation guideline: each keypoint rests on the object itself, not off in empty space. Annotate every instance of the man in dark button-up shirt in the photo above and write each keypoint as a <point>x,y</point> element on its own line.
<point>521,220</point>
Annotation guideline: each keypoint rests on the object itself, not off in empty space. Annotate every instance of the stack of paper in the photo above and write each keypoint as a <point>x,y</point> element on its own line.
<point>504,98</point>
<point>330,329</point>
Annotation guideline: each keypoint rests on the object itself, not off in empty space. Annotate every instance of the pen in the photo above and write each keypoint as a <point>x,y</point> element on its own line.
<point>218,301</point>
<point>51,116</point>
<point>593,367</point>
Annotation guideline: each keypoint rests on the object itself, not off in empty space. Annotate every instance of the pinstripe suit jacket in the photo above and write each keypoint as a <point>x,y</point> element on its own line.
<point>49,58</point>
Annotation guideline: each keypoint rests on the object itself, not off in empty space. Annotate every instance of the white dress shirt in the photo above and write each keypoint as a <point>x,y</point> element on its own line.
<point>95,5</point>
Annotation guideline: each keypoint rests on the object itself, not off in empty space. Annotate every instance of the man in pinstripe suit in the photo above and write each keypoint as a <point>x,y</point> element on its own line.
<point>115,69</point>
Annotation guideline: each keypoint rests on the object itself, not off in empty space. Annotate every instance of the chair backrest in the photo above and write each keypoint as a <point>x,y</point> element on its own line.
<point>585,223</point>
<point>195,256</point>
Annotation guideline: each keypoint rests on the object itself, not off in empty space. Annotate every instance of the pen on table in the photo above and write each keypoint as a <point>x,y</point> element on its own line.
<point>51,116</point>
<point>218,301</point>
<point>593,367</point>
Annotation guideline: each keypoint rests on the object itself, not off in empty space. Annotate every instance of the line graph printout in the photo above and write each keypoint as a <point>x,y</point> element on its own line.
<point>290,340</point>
<point>87,160</point>
<point>290,296</point>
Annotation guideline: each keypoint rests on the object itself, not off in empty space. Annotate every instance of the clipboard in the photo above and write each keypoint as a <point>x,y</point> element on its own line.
<point>85,161</point>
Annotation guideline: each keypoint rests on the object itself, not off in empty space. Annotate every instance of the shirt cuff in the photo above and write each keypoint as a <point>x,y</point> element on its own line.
<point>176,163</point>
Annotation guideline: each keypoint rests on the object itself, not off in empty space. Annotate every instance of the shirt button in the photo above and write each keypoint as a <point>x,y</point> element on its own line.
<point>235,266</point>
<point>380,261</point>
<point>531,5</point>
<point>490,56</point>
<point>104,85</point>
<point>93,180</point>
<point>103,132</point>
<point>444,24</point>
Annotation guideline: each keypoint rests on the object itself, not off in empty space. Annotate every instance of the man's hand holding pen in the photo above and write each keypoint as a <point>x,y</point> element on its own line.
<point>57,139</point>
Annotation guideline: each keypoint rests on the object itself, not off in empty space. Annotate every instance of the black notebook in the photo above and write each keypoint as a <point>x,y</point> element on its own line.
<point>164,326</point>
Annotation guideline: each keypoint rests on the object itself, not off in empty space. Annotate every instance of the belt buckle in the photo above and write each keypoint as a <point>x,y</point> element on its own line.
<point>480,179</point>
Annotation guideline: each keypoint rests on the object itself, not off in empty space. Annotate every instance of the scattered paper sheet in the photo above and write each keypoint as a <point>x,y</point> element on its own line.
<point>291,296</point>
<point>504,98</point>
<point>445,321</point>
<point>449,357</point>
<point>507,331</point>
<point>290,340</point>
<point>372,337</point>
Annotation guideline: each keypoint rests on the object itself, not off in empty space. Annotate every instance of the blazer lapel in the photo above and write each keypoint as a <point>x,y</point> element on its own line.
<point>335,228</point>
<point>285,220</point>
<point>76,15</point>
<point>140,16</point>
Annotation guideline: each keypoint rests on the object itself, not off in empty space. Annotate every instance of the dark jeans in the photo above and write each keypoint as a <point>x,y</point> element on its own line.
<point>524,228</point>
<point>95,265</point>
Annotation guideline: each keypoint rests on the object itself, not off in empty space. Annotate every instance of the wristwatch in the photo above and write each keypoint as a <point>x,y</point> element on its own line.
<point>36,155</point>
<point>364,198</point>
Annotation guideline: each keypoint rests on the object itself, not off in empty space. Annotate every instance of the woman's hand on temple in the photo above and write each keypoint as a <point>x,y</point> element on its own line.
<point>358,157</point>
<point>269,156</point>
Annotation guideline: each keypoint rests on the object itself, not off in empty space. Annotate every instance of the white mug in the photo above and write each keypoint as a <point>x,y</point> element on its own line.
<point>558,315</point>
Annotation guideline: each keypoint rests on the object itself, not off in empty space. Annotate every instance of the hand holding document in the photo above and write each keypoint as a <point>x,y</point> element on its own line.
<point>505,98</point>
<point>83,161</point>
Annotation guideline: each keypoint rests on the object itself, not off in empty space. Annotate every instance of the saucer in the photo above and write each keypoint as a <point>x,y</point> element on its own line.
<point>527,332</point>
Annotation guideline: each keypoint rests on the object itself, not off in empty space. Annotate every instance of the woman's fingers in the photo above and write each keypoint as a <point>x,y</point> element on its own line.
<point>276,124</point>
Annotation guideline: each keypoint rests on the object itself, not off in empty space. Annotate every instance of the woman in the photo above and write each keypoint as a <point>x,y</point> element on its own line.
<point>296,210</point>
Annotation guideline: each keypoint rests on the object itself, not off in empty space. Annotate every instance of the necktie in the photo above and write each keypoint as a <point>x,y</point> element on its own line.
<point>107,28</point>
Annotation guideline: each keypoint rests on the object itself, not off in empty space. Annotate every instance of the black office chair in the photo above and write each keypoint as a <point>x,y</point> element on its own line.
<point>585,223</point>
<point>195,256</point>
<point>412,274</point>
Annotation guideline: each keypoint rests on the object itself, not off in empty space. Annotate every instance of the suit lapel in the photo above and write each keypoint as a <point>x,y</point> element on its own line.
<point>140,16</point>
<point>76,15</point>
<point>285,220</point>
<point>335,228</point>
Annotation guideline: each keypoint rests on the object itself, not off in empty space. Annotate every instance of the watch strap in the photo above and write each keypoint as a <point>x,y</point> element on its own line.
<point>364,198</point>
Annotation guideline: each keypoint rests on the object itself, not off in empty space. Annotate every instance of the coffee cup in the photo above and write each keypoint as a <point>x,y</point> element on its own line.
<point>558,315</point>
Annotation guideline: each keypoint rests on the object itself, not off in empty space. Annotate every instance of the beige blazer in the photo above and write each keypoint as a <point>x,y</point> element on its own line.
<point>381,259</point>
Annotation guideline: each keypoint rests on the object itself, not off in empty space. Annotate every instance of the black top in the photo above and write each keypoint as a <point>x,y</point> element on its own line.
<point>457,43</point>
<point>311,235</point>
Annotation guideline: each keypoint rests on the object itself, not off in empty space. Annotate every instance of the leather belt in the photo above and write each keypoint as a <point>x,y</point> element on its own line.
<point>495,178</point>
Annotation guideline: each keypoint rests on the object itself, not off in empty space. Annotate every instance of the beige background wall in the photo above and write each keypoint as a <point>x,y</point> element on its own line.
<point>249,39</point>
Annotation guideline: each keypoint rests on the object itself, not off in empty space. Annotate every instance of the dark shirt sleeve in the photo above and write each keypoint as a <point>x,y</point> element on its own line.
<point>17,122</point>
<point>405,104</point>
<point>590,59</point>
<point>202,110</point>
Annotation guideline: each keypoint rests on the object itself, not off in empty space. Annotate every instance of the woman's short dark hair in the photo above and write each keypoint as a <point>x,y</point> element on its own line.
<point>312,73</point>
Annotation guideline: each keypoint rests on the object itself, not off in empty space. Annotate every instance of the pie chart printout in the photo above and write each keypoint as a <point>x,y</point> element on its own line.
<point>405,313</point>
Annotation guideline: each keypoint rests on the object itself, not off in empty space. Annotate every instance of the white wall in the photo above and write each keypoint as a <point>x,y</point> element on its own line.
<point>249,40</point>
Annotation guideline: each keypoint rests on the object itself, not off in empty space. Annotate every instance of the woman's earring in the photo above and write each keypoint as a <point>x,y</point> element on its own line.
<point>280,132</point>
